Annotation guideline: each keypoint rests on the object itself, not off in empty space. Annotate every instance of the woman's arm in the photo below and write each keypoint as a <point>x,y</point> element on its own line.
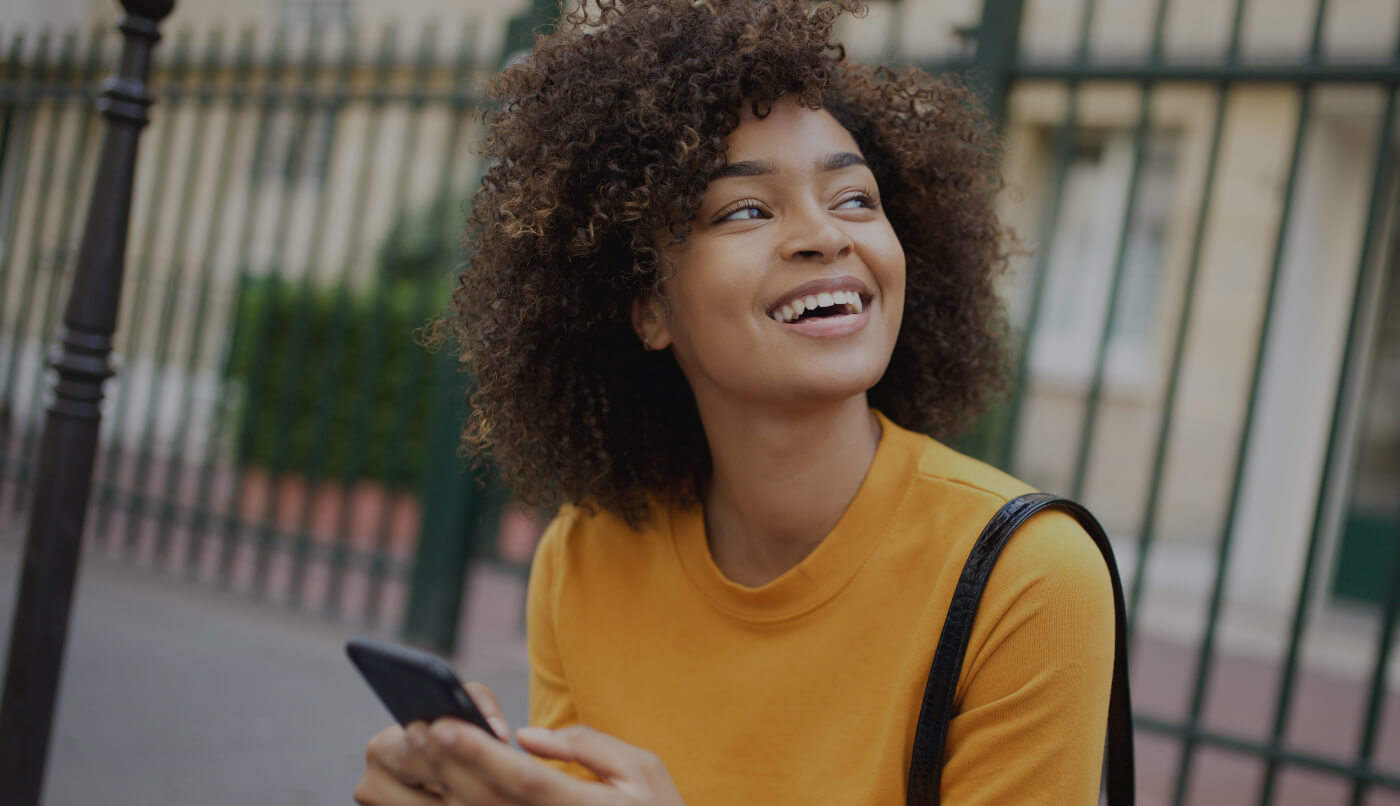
<point>1032,701</point>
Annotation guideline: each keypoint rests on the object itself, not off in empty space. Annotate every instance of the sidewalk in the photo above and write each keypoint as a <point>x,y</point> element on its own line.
<point>176,695</point>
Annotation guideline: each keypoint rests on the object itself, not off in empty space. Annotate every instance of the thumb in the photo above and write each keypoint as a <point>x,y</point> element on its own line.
<point>611,758</point>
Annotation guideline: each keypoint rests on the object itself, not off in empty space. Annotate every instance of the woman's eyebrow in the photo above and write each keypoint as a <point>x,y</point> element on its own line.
<point>843,159</point>
<point>746,168</point>
<point>831,162</point>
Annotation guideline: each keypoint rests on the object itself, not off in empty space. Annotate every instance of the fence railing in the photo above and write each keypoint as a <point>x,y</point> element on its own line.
<point>297,222</point>
<point>1239,284</point>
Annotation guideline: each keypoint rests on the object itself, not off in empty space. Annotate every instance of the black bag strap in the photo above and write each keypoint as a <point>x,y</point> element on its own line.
<point>926,765</point>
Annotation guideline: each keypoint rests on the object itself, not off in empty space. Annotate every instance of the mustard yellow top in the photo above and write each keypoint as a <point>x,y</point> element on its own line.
<point>807,690</point>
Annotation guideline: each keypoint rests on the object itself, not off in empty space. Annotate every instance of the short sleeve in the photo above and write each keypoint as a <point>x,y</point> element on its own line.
<point>1032,700</point>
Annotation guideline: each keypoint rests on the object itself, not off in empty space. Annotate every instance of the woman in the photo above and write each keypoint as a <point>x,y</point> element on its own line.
<point>721,280</point>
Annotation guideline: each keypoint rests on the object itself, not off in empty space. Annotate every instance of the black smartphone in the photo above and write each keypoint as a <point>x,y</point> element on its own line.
<point>413,685</point>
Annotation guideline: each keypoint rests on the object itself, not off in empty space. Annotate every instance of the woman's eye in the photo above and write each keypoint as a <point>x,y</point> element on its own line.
<point>742,214</point>
<point>856,202</point>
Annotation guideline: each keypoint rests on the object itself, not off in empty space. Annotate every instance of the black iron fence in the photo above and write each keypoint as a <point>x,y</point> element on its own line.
<point>1209,359</point>
<point>268,429</point>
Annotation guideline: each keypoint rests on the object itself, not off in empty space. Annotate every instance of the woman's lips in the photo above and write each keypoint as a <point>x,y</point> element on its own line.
<point>825,327</point>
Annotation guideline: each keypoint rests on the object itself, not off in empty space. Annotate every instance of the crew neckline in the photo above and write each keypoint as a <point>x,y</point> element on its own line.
<point>831,565</point>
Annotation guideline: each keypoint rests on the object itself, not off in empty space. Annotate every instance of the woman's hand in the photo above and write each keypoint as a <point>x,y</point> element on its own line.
<point>396,774</point>
<point>468,768</point>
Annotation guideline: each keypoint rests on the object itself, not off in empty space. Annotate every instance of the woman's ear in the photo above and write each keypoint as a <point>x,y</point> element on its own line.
<point>649,322</point>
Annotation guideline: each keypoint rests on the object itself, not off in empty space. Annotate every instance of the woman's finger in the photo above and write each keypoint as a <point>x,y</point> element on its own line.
<point>396,775</point>
<point>490,708</point>
<point>378,789</point>
<point>609,757</point>
<point>480,770</point>
<point>395,751</point>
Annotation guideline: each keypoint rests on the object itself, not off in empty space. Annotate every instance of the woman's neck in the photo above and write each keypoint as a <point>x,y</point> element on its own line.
<point>780,482</point>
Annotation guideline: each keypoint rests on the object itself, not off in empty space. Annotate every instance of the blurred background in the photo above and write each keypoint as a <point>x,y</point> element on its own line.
<point>1206,319</point>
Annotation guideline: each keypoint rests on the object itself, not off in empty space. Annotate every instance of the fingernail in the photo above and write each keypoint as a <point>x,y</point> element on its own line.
<point>535,734</point>
<point>416,736</point>
<point>499,725</point>
<point>444,734</point>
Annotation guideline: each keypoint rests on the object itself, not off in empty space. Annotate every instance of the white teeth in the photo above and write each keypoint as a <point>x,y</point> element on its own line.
<point>791,311</point>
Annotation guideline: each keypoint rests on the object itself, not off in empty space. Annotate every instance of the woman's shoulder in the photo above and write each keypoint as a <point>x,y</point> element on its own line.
<point>967,492</point>
<point>595,536</point>
<point>933,461</point>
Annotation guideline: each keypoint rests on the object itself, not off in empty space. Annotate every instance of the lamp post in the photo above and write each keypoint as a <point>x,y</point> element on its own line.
<point>64,481</point>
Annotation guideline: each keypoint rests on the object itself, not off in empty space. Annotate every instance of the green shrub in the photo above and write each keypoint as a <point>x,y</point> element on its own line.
<point>331,382</point>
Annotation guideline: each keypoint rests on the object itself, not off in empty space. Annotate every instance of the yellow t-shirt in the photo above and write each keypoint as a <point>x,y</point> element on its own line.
<point>807,690</point>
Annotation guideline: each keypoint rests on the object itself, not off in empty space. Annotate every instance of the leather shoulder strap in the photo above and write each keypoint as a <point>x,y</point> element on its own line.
<point>926,765</point>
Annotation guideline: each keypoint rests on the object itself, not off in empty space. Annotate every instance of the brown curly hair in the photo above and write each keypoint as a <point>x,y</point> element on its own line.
<point>606,135</point>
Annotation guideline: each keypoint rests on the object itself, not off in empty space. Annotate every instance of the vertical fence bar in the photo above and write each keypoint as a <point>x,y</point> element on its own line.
<point>42,75</point>
<point>149,502</point>
<point>378,98</point>
<point>232,526</point>
<point>1376,694</point>
<point>453,502</point>
<point>1120,254</point>
<point>1148,528</point>
<point>272,507</point>
<point>15,141</point>
<point>122,492</point>
<point>998,39</point>
<point>52,550</point>
<point>1375,211</point>
<point>382,294</point>
<point>1207,648</point>
<point>239,92</point>
<point>1049,222</point>
<point>137,501</point>
<point>385,293</point>
<point>203,96</point>
<point>302,541</point>
<point>460,102</point>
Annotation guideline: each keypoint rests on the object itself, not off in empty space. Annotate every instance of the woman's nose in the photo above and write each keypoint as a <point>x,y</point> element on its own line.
<point>813,235</point>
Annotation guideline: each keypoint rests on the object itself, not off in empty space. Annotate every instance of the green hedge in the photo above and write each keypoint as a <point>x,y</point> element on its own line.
<point>331,382</point>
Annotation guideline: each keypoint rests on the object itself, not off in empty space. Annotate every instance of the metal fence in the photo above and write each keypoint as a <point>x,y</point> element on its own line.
<point>1271,284</point>
<point>299,202</point>
<point>1208,333</point>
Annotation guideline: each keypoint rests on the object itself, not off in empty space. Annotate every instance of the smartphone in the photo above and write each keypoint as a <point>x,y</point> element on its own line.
<point>413,685</point>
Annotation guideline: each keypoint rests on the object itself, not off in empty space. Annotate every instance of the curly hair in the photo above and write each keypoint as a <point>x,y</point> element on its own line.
<point>606,135</point>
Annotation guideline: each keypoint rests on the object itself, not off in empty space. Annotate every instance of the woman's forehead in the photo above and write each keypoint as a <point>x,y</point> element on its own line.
<point>789,128</point>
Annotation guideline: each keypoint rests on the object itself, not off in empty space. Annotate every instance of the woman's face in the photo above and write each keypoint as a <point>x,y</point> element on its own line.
<point>790,288</point>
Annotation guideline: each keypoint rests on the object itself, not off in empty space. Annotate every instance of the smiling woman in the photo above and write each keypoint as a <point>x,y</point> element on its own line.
<point>724,287</point>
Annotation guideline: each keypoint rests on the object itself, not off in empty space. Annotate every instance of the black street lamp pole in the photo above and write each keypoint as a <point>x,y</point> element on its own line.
<point>52,548</point>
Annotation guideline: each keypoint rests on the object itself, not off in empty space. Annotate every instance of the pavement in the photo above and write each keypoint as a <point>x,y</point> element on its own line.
<point>175,694</point>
